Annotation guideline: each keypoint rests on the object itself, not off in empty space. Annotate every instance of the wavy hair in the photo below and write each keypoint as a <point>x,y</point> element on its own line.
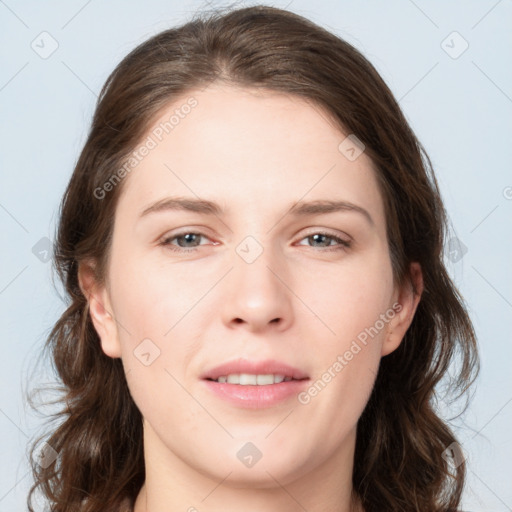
<point>399,462</point>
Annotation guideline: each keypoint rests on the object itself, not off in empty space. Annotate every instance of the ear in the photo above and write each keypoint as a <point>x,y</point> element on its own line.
<point>406,300</point>
<point>100,309</point>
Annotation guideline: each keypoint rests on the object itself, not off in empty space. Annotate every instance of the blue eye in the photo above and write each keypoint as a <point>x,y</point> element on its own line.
<point>191,237</point>
<point>342,244</point>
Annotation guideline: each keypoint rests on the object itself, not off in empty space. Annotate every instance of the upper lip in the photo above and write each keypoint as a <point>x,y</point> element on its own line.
<point>265,367</point>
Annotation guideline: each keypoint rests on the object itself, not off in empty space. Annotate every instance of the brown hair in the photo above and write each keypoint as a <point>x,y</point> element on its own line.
<point>399,463</point>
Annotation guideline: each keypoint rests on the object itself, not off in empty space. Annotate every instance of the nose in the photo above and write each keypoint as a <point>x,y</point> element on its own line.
<point>258,294</point>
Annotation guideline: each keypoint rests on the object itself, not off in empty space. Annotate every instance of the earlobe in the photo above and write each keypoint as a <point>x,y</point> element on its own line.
<point>407,302</point>
<point>100,310</point>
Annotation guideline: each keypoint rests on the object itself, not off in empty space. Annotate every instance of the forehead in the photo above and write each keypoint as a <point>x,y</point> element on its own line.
<point>248,149</point>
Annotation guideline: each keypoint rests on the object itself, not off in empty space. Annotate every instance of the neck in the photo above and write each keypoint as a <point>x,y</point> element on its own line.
<point>172,484</point>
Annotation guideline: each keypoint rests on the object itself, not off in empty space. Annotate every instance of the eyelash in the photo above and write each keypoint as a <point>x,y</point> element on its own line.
<point>343,244</point>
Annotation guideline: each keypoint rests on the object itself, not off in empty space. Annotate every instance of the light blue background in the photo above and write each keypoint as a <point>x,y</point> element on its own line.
<point>460,109</point>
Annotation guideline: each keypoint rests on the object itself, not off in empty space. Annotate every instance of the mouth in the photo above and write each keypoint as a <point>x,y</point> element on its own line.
<point>255,385</point>
<point>248,379</point>
<point>244,371</point>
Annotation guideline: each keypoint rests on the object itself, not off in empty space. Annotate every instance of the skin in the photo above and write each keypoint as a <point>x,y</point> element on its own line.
<point>256,153</point>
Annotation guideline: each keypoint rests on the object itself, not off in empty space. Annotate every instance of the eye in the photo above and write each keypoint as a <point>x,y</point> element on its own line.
<point>187,241</point>
<point>321,237</point>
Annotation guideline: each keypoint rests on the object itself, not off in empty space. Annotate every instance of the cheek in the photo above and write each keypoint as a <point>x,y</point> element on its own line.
<point>159,309</point>
<point>339,301</point>
<point>353,300</point>
<point>152,298</point>
<point>356,308</point>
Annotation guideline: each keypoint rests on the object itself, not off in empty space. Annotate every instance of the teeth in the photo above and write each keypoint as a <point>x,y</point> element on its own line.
<point>264,380</point>
<point>247,379</point>
<point>233,379</point>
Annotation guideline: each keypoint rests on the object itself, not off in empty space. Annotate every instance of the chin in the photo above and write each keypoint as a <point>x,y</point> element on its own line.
<point>263,476</point>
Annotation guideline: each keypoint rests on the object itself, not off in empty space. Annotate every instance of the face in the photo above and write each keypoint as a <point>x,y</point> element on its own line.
<point>254,278</point>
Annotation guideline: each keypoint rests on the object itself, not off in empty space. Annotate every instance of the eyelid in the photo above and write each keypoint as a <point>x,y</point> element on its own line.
<point>328,232</point>
<point>166,238</point>
<point>172,233</point>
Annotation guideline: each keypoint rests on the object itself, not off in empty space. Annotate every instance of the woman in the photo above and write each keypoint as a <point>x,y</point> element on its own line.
<point>259,311</point>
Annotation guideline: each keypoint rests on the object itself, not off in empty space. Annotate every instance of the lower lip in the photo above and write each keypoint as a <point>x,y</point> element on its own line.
<point>256,397</point>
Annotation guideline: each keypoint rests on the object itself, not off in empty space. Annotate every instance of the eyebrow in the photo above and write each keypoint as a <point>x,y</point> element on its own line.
<point>301,208</point>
